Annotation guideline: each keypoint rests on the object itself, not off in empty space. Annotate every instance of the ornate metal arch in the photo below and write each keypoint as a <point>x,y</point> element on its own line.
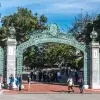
<point>52,34</point>
<point>2,60</point>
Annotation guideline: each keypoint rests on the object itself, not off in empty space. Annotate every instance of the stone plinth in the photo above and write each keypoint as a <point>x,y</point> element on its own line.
<point>11,58</point>
<point>94,66</point>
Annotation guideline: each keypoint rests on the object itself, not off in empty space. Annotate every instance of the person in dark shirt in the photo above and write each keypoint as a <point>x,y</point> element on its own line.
<point>29,80</point>
<point>11,78</point>
<point>81,83</point>
<point>40,75</point>
<point>20,83</point>
<point>31,75</point>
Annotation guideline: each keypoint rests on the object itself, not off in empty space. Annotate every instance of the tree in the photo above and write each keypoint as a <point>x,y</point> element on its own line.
<point>29,58</point>
<point>60,54</point>
<point>3,36</point>
<point>49,54</point>
<point>96,25</point>
<point>34,57</point>
<point>83,26</point>
<point>80,62</point>
<point>25,23</point>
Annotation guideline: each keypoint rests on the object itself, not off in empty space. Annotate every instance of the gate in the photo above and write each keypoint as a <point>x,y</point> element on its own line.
<point>52,34</point>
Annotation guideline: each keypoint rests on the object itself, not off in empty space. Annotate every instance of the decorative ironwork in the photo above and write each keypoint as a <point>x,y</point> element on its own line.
<point>1,61</point>
<point>52,34</point>
<point>53,29</point>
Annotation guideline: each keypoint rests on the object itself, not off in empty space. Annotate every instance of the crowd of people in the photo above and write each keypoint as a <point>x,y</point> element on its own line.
<point>14,82</point>
<point>66,75</point>
<point>71,77</point>
<point>54,75</point>
<point>43,75</point>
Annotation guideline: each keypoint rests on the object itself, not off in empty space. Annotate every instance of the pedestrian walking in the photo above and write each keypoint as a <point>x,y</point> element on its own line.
<point>81,83</point>
<point>70,84</point>
<point>17,81</point>
<point>29,80</point>
<point>11,79</point>
<point>20,82</point>
<point>59,76</point>
<point>31,75</point>
<point>76,77</point>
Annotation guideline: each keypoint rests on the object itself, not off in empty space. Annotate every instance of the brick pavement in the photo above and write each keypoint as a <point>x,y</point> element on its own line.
<point>37,87</point>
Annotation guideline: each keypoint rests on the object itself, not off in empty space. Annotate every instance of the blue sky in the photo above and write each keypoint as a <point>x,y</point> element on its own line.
<point>61,12</point>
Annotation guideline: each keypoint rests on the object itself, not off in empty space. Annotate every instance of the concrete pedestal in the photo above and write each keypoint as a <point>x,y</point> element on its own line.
<point>11,58</point>
<point>94,66</point>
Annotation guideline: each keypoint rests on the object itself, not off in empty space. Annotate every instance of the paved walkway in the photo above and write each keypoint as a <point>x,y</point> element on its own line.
<point>62,96</point>
<point>46,88</point>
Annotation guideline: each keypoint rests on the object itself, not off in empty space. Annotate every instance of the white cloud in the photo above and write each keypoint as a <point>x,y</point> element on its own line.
<point>95,0</point>
<point>54,6</point>
<point>71,7</point>
<point>17,3</point>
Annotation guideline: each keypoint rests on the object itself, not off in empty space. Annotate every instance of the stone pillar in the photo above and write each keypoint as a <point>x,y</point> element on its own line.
<point>11,58</point>
<point>94,66</point>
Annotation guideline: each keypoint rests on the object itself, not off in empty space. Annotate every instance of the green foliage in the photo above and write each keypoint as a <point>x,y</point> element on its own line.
<point>97,26</point>
<point>33,57</point>
<point>83,26</point>
<point>50,54</point>
<point>25,23</point>
<point>80,63</point>
<point>2,36</point>
<point>60,54</point>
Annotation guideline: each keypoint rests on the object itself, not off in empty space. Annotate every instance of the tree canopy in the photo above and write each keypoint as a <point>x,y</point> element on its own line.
<point>24,22</point>
<point>83,26</point>
<point>60,54</point>
<point>50,54</point>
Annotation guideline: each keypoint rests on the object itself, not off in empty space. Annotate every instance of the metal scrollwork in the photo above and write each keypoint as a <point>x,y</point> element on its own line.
<point>53,29</point>
<point>52,34</point>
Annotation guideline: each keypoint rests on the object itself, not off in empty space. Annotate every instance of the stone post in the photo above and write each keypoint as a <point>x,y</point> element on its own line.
<point>94,66</point>
<point>11,58</point>
<point>94,61</point>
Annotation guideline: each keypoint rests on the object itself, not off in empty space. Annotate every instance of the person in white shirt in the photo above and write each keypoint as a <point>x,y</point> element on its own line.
<point>70,84</point>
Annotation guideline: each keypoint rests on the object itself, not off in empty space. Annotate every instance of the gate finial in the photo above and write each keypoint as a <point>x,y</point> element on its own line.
<point>93,35</point>
<point>53,29</point>
<point>12,31</point>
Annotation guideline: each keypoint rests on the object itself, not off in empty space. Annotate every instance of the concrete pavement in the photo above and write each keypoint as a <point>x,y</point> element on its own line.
<point>59,96</point>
